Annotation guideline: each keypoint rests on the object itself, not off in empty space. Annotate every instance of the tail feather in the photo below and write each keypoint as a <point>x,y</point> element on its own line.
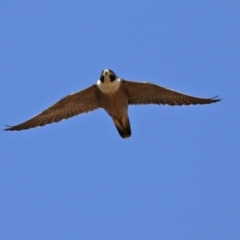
<point>123,126</point>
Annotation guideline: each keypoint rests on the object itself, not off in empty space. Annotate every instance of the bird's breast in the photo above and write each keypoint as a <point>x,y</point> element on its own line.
<point>107,86</point>
<point>115,104</point>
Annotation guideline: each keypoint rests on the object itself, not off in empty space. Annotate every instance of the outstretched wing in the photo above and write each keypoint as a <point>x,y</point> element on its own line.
<point>148,93</point>
<point>72,105</point>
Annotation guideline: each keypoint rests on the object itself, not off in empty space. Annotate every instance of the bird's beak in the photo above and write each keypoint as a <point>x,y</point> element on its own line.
<point>106,72</point>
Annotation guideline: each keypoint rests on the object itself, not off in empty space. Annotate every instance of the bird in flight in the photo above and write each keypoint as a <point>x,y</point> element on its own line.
<point>113,94</point>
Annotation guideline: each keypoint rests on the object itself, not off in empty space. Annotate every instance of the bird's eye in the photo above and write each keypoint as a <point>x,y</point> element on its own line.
<point>102,78</point>
<point>112,77</point>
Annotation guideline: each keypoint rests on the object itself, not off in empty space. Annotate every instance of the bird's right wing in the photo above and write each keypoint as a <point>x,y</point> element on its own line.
<point>148,93</point>
<point>72,105</point>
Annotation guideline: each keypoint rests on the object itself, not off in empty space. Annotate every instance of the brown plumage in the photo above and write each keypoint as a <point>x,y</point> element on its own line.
<point>72,105</point>
<point>148,93</point>
<point>114,95</point>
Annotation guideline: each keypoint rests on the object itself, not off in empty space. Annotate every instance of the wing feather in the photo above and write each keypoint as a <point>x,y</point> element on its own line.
<point>72,105</point>
<point>148,93</point>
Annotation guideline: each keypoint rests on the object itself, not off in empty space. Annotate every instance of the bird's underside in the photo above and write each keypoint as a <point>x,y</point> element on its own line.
<point>92,98</point>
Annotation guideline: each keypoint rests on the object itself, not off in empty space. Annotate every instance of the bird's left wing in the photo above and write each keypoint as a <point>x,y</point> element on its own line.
<point>148,93</point>
<point>72,105</point>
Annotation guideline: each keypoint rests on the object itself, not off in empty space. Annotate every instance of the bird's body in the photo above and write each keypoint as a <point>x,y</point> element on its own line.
<point>114,100</point>
<point>112,97</point>
<point>113,94</point>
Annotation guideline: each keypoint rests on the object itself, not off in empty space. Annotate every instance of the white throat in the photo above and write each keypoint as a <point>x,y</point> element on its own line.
<point>107,86</point>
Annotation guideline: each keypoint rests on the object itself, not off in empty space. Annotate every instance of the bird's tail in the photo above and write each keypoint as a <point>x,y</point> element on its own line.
<point>123,126</point>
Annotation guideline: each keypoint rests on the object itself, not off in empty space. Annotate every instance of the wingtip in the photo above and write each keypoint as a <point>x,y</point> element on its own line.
<point>216,99</point>
<point>8,128</point>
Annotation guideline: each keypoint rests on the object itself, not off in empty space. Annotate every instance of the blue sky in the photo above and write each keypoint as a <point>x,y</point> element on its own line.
<point>177,177</point>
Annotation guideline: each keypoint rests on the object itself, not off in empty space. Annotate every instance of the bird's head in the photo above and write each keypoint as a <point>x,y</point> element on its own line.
<point>108,75</point>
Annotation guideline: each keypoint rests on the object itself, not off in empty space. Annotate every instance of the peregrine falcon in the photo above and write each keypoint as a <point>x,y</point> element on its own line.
<point>113,94</point>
